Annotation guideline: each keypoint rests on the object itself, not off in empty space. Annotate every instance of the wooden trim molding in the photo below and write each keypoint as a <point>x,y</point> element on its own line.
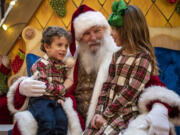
<point>165,37</point>
<point>16,20</point>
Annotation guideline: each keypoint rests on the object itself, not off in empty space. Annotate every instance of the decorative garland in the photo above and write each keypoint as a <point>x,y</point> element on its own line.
<point>59,7</point>
<point>172,1</point>
<point>3,83</point>
<point>177,5</point>
<point>17,62</point>
<point>4,72</point>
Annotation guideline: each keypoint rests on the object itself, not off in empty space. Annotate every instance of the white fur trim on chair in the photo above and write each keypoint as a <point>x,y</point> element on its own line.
<point>11,95</point>
<point>26,123</point>
<point>162,94</point>
<point>74,127</point>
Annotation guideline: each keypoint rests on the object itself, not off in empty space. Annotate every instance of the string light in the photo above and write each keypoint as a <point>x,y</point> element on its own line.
<point>7,27</point>
<point>4,26</point>
<point>12,3</point>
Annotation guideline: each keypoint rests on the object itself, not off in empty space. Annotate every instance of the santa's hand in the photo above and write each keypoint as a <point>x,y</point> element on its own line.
<point>32,88</point>
<point>157,120</point>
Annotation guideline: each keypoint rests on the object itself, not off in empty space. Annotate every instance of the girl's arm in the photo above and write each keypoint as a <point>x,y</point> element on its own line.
<point>103,95</point>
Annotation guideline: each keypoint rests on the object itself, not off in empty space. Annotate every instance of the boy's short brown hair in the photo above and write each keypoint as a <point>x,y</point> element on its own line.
<point>51,32</point>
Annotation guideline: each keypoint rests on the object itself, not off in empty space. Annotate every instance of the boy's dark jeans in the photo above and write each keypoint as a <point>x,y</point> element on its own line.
<point>50,116</point>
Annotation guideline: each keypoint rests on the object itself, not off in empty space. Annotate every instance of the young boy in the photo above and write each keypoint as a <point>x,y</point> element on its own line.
<point>52,71</point>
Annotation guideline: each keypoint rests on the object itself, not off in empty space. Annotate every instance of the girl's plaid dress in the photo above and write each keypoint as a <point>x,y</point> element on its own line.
<point>128,75</point>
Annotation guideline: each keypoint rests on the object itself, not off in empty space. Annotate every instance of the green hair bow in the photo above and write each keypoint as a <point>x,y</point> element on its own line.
<point>116,19</point>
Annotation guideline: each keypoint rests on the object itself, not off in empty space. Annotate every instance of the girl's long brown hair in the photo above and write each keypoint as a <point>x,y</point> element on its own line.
<point>134,34</point>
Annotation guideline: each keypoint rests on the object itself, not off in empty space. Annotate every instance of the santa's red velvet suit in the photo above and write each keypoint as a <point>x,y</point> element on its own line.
<point>154,92</point>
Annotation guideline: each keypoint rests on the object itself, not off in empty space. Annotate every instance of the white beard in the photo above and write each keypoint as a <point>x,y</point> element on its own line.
<point>92,61</point>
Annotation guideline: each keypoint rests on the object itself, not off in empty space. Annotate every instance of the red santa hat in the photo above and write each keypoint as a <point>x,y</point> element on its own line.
<point>83,19</point>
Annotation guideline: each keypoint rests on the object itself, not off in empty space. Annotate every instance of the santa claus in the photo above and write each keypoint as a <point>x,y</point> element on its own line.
<point>91,31</point>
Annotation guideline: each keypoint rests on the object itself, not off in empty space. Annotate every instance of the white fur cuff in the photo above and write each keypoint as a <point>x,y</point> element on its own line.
<point>74,127</point>
<point>26,123</point>
<point>135,129</point>
<point>162,94</point>
<point>11,94</point>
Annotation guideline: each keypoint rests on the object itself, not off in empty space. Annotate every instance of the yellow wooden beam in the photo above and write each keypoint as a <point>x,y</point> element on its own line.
<point>16,20</point>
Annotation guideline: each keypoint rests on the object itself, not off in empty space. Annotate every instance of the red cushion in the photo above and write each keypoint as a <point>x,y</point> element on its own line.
<point>5,117</point>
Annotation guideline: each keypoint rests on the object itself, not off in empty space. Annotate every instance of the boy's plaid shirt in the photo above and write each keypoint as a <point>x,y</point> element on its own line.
<point>128,75</point>
<point>53,73</point>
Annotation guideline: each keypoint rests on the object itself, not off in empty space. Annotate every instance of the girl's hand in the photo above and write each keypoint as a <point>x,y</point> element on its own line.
<point>97,121</point>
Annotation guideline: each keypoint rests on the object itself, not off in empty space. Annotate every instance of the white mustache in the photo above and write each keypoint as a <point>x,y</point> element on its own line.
<point>94,42</point>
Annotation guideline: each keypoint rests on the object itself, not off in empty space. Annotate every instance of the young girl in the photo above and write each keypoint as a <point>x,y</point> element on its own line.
<point>52,71</point>
<point>130,70</point>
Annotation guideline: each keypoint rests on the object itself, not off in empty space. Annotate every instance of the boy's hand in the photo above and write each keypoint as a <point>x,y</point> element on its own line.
<point>70,62</point>
<point>60,101</point>
<point>68,83</point>
<point>71,73</point>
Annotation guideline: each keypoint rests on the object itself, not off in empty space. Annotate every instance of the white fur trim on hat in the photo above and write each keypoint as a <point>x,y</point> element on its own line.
<point>87,20</point>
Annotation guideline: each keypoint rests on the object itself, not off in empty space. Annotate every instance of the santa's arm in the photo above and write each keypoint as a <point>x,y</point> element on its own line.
<point>156,92</point>
<point>24,86</point>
